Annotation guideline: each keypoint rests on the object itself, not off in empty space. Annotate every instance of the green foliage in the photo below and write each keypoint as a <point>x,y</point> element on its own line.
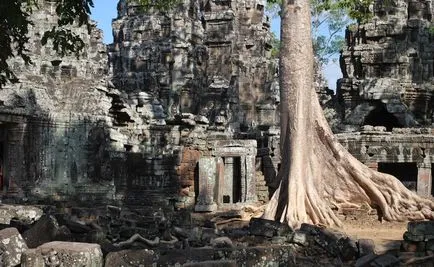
<point>70,12</point>
<point>14,24</point>
<point>355,9</point>
<point>327,30</point>
<point>275,42</point>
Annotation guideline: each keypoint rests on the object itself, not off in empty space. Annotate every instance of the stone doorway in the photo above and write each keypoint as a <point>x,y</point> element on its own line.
<point>381,117</point>
<point>406,172</point>
<point>227,175</point>
<point>231,188</point>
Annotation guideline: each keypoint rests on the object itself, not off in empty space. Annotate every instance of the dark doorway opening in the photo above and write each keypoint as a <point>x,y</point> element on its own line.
<point>432,179</point>
<point>381,117</point>
<point>406,172</point>
<point>236,188</point>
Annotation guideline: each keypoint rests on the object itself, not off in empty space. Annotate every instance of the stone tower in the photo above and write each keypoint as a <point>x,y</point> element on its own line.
<point>386,92</point>
<point>387,67</point>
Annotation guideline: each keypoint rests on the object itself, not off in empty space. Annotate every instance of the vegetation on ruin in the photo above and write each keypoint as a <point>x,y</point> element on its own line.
<point>317,174</point>
<point>14,29</point>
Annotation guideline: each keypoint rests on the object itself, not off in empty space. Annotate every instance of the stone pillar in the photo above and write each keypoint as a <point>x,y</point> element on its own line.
<point>15,165</point>
<point>243,179</point>
<point>424,179</point>
<point>220,180</point>
<point>251,195</point>
<point>207,182</point>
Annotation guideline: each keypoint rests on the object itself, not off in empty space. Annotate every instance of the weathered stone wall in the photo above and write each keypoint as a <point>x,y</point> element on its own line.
<point>207,68</point>
<point>387,87</point>
<point>387,67</point>
<point>130,125</point>
<point>205,58</point>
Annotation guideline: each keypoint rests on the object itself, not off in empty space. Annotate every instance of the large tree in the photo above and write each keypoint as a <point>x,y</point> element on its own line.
<point>317,173</point>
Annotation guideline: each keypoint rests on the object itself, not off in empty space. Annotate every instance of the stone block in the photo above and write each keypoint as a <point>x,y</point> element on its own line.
<point>430,245</point>
<point>415,238</point>
<point>411,246</point>
<point>300,238</point>
<point>365,260</point>
<point>43,231</point>
<point>348,249</point>
<point>421,228</point>
<point>329,240</point>
<point>365,246</point>
<point>222,242</point>
<point>58,253</point>
<point>130,258</point>
<point>385,260</point>
<point>24,214</point>
<point>12,246</point>
<point>262,227</point>
<point>220,263</point>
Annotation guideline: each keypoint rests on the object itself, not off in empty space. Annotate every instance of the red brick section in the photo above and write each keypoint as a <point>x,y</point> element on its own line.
<point>189,160</point>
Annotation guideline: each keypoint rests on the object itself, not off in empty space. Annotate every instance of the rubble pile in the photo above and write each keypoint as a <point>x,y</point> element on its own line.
<point>110,239</point>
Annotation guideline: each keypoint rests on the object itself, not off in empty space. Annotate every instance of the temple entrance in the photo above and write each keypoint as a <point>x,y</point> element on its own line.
<point>432,181</point>
<point>406,172</point>
<point>232,180</point>
<point>227,175</point>
<point>381,117</point>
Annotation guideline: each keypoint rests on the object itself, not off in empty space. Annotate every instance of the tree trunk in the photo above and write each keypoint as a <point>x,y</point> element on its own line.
<point>317,173</point>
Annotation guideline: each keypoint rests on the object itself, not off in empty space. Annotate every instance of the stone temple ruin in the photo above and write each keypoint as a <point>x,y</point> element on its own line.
<point>385,95</point>
<point>180,112</point>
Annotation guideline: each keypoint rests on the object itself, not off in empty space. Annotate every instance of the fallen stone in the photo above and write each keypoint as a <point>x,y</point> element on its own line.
<point>12,246</point>
<point>365,260</point>
<point>429,245</point>
<point>267,228</point>
<point>59,253</point>
<point>43,231</point>
<point>365,246</point>
<point>385,260</point>
<point>221,263</point>
<point>279,240</point>
<point>299,238</point>
<point>25,214</point>
<point>310,228</point>
<point>143,257</point>
<point>222,242</point>
<point>411,246</point>
<point>421,228</point>
<point>348,249</point>
<point>328,239</point>
<point>415,238</point>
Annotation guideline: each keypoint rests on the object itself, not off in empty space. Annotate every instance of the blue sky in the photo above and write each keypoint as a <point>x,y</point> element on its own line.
<point>105,11</point>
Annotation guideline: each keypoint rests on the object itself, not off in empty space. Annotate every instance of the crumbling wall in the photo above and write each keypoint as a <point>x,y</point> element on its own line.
<point>386,92</point>
<point>128,124</point>
<point>387,67</point>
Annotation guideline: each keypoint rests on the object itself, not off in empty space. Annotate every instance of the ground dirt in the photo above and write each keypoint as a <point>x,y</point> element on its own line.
<point>386,235</point>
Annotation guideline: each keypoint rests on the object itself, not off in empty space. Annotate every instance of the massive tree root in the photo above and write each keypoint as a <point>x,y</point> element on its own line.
<point>329,177</point>
<point>317,173</point>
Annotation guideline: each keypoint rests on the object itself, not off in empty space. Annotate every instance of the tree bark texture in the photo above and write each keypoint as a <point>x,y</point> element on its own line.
<point>317,173</point>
